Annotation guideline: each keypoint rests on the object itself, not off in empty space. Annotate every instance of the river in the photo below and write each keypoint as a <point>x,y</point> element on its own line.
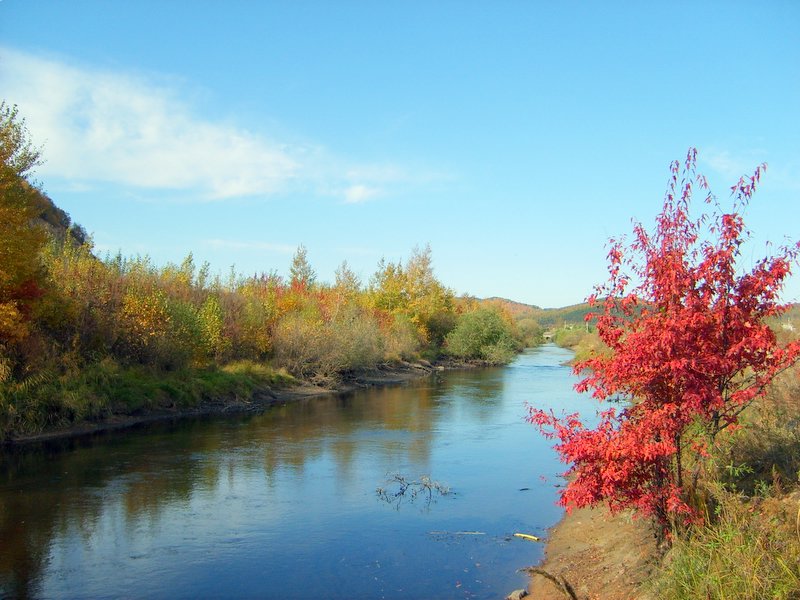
<point>283,504</point>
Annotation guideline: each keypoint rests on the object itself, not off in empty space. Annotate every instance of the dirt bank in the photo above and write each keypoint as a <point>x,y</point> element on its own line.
<point>603,556</point>
<point>262,398</point>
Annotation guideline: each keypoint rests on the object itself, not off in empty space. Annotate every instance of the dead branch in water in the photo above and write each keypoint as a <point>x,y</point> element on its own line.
<point>401,487</point>
<point>559,581</point>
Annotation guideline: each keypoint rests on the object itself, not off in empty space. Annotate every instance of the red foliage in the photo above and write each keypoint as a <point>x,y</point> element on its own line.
<point>689,346</point>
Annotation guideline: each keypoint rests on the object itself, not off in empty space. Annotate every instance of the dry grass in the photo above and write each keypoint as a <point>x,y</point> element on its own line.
<point>750,550</point>
<point>749,546</point>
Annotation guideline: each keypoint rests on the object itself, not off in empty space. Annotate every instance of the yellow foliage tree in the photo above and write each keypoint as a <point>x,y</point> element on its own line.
<point>212,325</point>
<point>20,239</point>
<point>414,292</point>
<point>145,320</point>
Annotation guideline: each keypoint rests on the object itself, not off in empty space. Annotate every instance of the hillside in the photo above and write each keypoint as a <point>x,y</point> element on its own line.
<point>55,219</point>
<point>546,317</point>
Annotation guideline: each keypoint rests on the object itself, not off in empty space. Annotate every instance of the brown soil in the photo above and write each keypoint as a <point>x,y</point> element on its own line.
<point>602,556</point>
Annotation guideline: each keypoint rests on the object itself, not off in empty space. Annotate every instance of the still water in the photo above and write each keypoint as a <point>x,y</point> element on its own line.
<point>283,504</point>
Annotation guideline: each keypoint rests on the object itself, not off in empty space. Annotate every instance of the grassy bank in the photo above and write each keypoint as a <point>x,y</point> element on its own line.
<point>749,549</point>
<point>106,391</point>
<point>582,340</point>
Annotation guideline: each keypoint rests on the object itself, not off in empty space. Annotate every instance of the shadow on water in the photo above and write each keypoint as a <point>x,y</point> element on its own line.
<point>226,505</point>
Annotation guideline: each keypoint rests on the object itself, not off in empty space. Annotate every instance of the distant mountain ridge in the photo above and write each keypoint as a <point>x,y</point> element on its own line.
<point>547,317</point>
<point>512,306</point>
<point>574,314</point>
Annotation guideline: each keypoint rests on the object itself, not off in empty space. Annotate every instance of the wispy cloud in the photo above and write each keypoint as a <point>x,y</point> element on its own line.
<point>730,165</point>
<point>356,194</point>
<point>245,245</point>
<point>139,131</point>
<point>781,175</point>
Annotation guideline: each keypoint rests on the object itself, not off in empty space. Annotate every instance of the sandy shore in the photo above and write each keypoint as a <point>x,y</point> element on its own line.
<point>602,556</point>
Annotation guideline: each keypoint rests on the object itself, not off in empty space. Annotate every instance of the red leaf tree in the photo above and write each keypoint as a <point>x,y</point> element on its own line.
<point>689,347</point>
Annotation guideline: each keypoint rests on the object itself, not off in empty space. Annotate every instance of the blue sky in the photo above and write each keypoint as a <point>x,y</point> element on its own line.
<point>514,137</point>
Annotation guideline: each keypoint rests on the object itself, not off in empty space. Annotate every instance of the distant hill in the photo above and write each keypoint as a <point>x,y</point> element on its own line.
<point>514,308</point>
<point>546,317</point>
<point>569,315</point>
<point>550,318</point>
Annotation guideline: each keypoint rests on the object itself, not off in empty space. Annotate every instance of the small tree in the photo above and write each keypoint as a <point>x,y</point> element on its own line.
<point>301,275</point>
<point>346,282</point>
<point>689,348</point>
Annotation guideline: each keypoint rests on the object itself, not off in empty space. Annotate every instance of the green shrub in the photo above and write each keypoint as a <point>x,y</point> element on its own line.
<point>570,336</point>
<point>482,334</point>
<point>530,331</point>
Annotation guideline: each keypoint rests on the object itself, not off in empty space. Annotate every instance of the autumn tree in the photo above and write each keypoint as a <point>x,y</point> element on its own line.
<point>387,288</point>
<point>689,348</point>
<point>413,291</point>
<point>431,305</point>
<point>20,239</point>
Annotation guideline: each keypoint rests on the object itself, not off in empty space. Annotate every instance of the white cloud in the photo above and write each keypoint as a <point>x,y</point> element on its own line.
<point>731,166</point>
<point>242,245</point>
<point>99,126</point>
<point>102,126</point>
<point>360,193</point>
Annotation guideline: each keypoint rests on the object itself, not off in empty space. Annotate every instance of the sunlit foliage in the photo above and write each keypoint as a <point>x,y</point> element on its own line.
<point>20,239</point>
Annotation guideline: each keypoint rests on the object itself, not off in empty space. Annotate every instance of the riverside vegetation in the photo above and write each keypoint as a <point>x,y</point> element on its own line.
<point>85,337</point>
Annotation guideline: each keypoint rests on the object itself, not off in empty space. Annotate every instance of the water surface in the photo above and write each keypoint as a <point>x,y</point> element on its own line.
<point>283,504</point>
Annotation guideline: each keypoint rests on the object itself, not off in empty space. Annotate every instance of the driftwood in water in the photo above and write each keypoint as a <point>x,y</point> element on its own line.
<point>559,581</point>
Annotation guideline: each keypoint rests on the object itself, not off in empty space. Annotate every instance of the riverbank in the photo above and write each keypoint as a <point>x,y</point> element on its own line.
<point>602,556</point>
<point>260,397</point>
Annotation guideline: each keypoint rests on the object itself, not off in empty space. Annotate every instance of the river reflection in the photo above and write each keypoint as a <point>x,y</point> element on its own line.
<point>283,504</point>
